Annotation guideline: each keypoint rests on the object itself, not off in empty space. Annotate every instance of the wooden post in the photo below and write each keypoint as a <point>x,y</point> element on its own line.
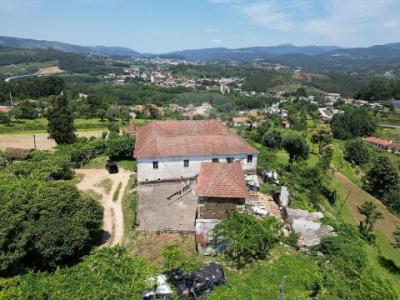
<point>34,141</point>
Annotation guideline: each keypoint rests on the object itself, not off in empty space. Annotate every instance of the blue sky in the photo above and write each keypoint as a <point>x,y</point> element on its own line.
<point>167,25</point>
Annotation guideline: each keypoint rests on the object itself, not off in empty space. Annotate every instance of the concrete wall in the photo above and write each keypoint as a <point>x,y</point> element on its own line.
<point>171,168</point>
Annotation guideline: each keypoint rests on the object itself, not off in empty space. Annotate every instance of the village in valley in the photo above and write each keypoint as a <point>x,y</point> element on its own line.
<point>218,173</point>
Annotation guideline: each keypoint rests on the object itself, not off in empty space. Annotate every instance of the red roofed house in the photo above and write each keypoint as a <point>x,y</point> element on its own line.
<point>170,150</point>
<point>378,143</point>
<point>220,188</point>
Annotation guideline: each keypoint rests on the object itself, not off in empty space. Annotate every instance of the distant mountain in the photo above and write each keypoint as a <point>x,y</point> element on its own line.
<point>246,54</point>
<point>379,57</point>
<point>13,42</point>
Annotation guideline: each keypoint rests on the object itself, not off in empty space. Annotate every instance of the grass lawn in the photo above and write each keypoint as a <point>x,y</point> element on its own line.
<point>129,165</point>
<point>343,165</point>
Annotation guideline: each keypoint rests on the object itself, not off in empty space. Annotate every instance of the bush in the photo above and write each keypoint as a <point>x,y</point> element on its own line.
<point>120,147</point>
<point>272,139</point>
<point>44,224</point>
<point>296,146</point>
<point>247,238</point>
<point>108,273</point>
<point>355,122</point>
<point>357,152</point>
<point>174,258</point>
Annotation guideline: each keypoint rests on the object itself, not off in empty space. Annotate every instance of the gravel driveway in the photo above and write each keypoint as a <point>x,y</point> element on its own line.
<point>113,220</point>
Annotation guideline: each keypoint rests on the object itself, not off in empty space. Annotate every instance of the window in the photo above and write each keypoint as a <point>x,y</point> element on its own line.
<point>249,158</point>
<point>155,165</point>
<point>229,160</point>
<point>186,163</point>
<point>215,160</point>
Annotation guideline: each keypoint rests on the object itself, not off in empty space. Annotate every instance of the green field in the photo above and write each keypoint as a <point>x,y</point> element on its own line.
<point>25,68</point>
<point>40,125</point>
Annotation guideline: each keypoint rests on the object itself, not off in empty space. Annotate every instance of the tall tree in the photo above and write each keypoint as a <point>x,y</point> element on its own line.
<point>368,210</point>
<point>61,122</point>
<point>382,177</point>
<point>296,146</point>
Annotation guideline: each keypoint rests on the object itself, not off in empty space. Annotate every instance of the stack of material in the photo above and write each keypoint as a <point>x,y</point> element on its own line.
<point>306,225</point>
<point>198,284</point>
<point>284,197</point>
<point>162,289</point>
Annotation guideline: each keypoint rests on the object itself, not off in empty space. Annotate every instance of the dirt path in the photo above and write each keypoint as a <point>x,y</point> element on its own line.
<point>358,196</point>
<point>26,141</point>
<point>113,219</point>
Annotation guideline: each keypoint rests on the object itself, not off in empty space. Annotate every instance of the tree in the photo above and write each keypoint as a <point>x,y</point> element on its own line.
<point>321,136</point>
<point>61,122</point>
<point>112,114</point>
<point>392,199</point>
<point>296,146</point>
<point>354,122</point>
<point>326,157</point>
<point>357,152</point>
<point>101,113</point>
<point>113,128</point>
<point>368,210</point>
<point>382,177</point>
<point>396,236</point>
<point>53,224</point>
<point>120,147</point>
<point>25,110</point>
<point>272,139</point>
<point>5,119</point>
<point>246,237</point>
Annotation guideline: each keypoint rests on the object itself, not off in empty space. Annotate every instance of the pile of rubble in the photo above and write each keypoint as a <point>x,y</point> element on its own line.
<point>307,226</point>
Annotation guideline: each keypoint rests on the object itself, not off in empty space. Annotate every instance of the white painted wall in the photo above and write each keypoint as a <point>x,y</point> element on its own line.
<point>170,168</point>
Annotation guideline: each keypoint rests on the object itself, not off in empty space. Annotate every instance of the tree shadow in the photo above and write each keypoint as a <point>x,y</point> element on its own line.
<point>389,265</point>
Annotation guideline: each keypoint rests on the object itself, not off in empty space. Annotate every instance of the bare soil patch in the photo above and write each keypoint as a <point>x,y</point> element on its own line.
<point>358,196</point>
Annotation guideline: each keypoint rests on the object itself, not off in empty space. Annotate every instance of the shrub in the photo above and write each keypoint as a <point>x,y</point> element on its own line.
<point>247,238</point>
<point>357,152</point>
<point>120,147</point>
<point>296,146</point>
<point>44,224</point>
<point>272,139</point>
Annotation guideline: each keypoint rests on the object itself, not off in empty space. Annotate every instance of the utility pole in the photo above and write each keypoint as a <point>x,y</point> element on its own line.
<point>34,141</point>
<point>11,99</point>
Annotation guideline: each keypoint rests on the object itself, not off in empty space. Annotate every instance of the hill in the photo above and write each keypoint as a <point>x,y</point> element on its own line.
<point>247,54</point>
<point>13,42</point>
<point>378,58</point>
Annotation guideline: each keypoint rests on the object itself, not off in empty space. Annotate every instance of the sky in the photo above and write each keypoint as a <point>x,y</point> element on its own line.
<point>160,26</point>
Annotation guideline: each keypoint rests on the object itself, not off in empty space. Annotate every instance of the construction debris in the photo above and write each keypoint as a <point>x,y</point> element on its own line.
<point>306,225</point>
<point>162,289</point>
<point>198,284</point>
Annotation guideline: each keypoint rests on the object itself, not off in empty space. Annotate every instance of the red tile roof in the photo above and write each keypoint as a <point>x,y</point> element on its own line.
<point>240,120</point>
<point>188,138</point>
<point>221,180</point>
<point>377,141</point>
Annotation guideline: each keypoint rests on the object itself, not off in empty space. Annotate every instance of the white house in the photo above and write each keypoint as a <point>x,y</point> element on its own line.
<point>171,150</point>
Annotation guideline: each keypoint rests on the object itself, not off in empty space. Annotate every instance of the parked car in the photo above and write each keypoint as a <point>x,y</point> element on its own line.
<point>112,167</point>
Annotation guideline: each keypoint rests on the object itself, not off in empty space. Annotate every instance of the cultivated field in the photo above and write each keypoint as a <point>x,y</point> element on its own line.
<point>27,141</point>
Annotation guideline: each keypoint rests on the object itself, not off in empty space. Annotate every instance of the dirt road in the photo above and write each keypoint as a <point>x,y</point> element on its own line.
<point>113,220</point>
<point>27,141</point>
<point>358,196</point>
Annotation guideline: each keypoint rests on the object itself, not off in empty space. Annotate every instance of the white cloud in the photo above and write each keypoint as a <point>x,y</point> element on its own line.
<point>390,24</point>
<point>269,15</point>
<point>216,41</point>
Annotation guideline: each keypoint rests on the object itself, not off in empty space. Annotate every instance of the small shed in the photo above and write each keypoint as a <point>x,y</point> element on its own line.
<point>18,153</point>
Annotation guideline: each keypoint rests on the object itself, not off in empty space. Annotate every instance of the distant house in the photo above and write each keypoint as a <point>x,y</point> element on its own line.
<point>5,109</point>
<point>332,97</point>
<point>396,104</point>
<point>239,121</point>
<point>171,150</point>
<point>379,144</point>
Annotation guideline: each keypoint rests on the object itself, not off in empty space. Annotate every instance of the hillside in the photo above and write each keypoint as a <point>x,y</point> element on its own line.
<point>13,42</point>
